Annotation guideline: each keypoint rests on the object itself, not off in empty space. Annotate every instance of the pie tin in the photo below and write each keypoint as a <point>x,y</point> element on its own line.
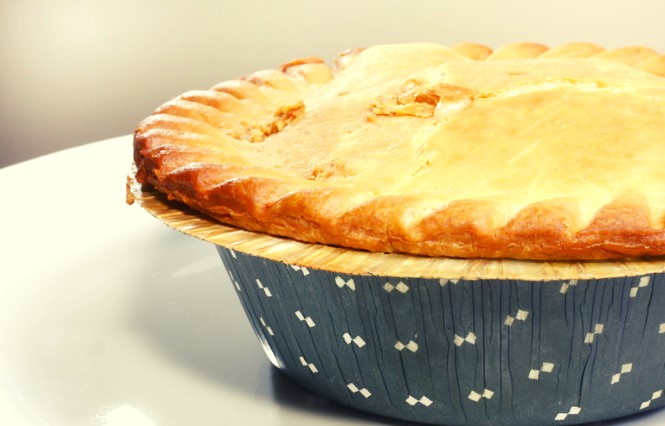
<point>448,341</point>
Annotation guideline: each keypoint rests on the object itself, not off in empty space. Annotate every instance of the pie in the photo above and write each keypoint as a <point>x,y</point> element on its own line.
<point>522,152</point>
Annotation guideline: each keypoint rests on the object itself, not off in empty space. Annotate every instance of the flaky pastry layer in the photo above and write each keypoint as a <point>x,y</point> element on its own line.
<point>521,152</point>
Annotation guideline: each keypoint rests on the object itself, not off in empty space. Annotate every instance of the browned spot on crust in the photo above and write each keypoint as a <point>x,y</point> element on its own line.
<point>282,118</point>
<point>419,99</point>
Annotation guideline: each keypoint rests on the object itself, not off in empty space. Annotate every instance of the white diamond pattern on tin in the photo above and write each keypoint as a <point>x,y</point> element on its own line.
<point>654,396</point>
<point>354,389</point>
<point>443,282</point>
<point>349,283</point>
<point>625,369</point>
<point>520,316</point>
<point>547,367</point>
<point>476,397</point>
<point>233,280</point>
<point>572,412</point>
<point>566,286</point>
<point>591,336</point>
<point>309,365</point>
<point>411,400</point>
<point>308,320</point>
<point>265,289</point>
<point>400,286</point>
<point>644,282</point>
<point>302,269</point>
<point>470,339</point>
<point>412,346</point>
<point>357,340</point>
<point>268,329</point>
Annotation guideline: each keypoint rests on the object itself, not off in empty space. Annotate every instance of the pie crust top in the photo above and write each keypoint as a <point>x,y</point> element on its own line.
<point>523,152</point>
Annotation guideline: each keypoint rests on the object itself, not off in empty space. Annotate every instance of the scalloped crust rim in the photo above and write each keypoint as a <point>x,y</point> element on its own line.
<point>358,262</point>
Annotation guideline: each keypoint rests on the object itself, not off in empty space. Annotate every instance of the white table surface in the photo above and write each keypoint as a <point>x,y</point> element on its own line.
<point>108,317</point>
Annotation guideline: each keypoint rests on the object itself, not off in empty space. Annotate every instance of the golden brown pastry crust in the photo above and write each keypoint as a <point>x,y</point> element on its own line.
<point>555,154</point>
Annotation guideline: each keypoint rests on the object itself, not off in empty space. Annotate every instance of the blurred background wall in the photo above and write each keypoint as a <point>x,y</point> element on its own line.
<point>74,71</point>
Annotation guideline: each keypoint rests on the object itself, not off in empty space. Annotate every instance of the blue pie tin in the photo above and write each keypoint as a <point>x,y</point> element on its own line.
<point>449,341</point>
<point>460,351</point>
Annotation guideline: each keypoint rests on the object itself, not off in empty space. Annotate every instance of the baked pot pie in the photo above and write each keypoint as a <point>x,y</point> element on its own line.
<point>454,236</point>
<point>522,153</point>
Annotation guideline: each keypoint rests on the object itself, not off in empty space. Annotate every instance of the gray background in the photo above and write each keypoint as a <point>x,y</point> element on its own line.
<point>72,72</point>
